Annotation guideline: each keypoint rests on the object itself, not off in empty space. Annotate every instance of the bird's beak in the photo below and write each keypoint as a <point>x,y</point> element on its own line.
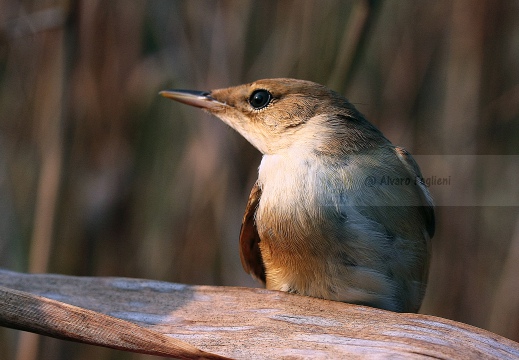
<point>201,99</point>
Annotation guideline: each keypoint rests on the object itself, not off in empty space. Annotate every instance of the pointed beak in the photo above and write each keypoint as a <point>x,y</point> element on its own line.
<point>201,99</point>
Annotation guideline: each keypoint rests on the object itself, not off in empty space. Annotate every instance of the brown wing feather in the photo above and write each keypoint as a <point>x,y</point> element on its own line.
<point>427,211</point>
<point>428,207</point>
<point>250,253</point>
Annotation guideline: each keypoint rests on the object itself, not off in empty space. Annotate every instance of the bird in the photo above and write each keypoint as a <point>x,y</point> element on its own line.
<point>338,212</point>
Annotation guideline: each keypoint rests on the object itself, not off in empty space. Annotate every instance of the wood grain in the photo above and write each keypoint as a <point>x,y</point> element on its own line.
<point>248,323</point>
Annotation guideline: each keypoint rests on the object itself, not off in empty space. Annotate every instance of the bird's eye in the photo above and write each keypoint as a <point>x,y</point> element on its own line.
<point>259,99</point>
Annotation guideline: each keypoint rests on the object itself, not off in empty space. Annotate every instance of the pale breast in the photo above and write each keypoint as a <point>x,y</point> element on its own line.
<point>325,234</point>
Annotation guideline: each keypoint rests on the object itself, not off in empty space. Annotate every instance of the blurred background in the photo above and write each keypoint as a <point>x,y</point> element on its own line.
<point>100,176</point>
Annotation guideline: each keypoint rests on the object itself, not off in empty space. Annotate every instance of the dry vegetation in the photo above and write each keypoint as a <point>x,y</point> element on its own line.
<point>101,176</point>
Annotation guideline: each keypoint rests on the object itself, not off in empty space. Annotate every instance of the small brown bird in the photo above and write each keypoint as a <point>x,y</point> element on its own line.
<point>337,212</point>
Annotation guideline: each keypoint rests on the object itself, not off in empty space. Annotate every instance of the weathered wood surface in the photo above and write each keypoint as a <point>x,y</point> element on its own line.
<point>25,311</point>
<point>247,323</point>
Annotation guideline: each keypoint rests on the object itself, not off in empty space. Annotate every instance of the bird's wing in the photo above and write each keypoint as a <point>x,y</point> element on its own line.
<point>425,197</point>
<point>249,238</point>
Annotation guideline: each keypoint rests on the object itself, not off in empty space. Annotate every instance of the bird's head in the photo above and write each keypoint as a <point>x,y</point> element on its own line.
<point>278,114</point>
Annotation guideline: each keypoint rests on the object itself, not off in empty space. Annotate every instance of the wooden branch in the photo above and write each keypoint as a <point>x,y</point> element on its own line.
<point>143,315</point>
<point>24,311</point>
